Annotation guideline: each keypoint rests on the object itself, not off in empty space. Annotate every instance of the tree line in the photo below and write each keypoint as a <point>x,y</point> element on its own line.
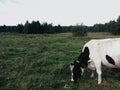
<point>112,27</point>
<point>35,27</point>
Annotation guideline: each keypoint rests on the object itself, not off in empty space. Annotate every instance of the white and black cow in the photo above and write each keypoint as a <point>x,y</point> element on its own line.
<point>94,54</point>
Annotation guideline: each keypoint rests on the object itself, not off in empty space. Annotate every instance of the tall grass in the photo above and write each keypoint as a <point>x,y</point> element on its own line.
<point>41,62</point>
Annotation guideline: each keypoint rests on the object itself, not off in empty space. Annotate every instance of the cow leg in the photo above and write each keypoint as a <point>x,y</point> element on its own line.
<point>92,74</point>
<point>72,79</point>
<point>99,72</point>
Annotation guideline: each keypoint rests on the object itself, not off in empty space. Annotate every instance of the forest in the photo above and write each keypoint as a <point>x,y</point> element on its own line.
<point>35,27</point>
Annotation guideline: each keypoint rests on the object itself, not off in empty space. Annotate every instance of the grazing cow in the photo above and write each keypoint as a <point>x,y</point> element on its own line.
<point>94,54</point>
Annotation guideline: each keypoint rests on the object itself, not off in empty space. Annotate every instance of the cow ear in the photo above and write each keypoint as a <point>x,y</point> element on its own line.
<point>86,51</point>
<point>77,61</point>
<point>90,61</point>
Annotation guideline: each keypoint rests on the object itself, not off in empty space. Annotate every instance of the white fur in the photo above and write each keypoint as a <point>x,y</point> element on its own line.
<point>71,68</point>
<point>82,69</point>
<point>98,50</point>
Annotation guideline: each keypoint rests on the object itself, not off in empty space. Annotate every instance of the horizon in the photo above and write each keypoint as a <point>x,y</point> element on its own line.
<point>63,12</point>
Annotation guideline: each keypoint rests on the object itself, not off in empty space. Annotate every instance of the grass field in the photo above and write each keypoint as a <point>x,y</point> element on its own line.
<point>41,62</point>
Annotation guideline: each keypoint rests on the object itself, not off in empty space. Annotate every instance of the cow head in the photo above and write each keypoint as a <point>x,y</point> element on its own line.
<point>76,70</point>
<point>77,67</point>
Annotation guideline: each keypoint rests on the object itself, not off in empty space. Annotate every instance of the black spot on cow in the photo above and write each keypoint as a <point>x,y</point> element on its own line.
<point>110,59</point>
<point>86,51</point>
<point>84,57</point>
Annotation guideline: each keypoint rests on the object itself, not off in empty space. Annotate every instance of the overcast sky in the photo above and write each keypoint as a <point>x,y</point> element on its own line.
<point>63,12</point>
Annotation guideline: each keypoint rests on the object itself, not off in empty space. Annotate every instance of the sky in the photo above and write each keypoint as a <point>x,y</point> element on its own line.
<point>63,12</point>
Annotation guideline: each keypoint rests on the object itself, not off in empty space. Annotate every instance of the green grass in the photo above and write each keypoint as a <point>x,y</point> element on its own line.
<point>41,62</point>
<point>102,35</point>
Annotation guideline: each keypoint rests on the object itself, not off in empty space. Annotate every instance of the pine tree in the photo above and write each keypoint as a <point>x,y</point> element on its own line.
<point>26,28</point>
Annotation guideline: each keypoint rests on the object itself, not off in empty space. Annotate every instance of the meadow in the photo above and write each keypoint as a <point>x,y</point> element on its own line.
<point>41,62</point>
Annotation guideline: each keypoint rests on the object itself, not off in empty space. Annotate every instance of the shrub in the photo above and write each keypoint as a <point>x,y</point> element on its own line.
<point>79,30</point>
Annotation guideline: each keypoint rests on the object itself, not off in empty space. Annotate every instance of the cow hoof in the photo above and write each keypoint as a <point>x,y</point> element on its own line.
<point>99,83</point>
<point>72,80</point>
<point>91,76</point>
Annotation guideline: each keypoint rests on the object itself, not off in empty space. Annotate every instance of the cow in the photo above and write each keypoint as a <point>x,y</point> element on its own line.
<point>95,53</point>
